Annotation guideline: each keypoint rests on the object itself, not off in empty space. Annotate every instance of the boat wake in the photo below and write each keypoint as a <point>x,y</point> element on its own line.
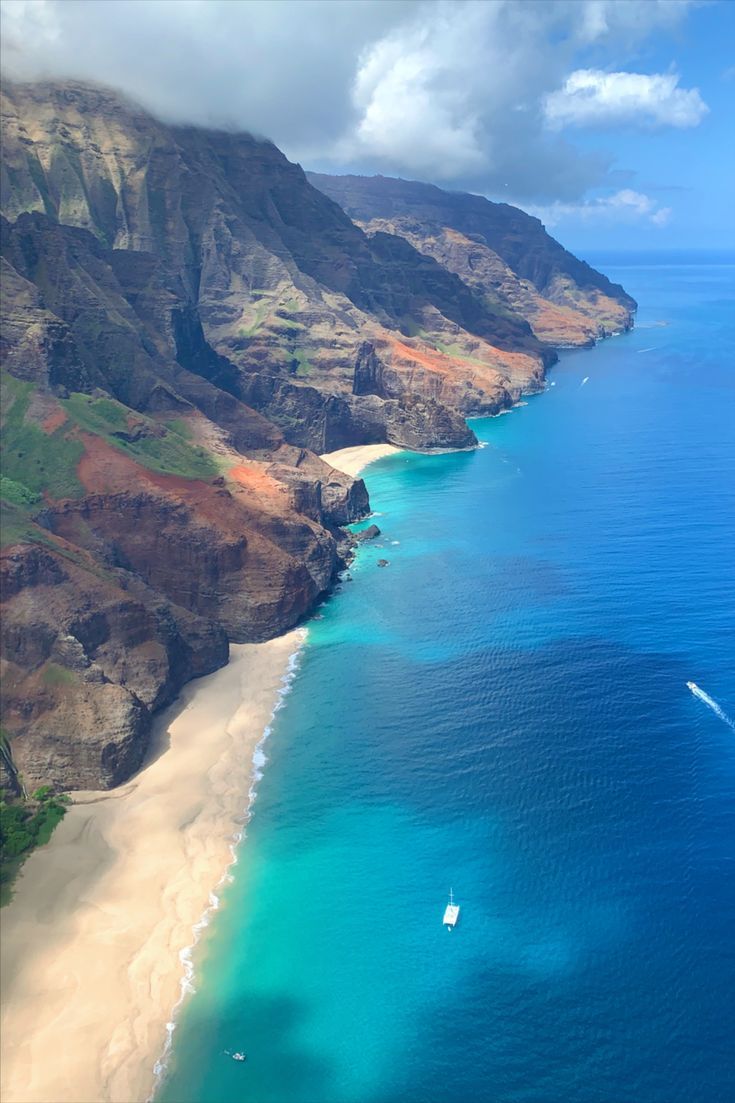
<point>711,703</point>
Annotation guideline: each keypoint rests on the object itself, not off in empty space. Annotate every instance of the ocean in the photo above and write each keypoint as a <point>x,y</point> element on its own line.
<point>503,710</point>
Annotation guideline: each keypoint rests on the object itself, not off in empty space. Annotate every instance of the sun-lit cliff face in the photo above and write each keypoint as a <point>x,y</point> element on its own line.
<point>283,281</point>
<point>187,322</point>
<point>502,253</point>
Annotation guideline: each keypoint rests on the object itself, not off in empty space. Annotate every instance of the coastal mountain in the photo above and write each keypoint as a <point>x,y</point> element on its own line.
<point>187,323</point>
<point>505,255</point>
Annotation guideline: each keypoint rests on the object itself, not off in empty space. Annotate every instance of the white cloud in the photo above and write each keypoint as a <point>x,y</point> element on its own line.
<point>407,108</point>
<point>451,91</point>
<point>591,97</point>
<point>626,207</point>
<point>454,93</point>
<point>628,20</point>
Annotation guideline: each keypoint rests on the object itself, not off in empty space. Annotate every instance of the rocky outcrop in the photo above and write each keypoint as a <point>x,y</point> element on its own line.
<point>325,423</point>
<point>187,323</point>
<point>282,280</point>
<point>500,251</point>
<point>337,498</point>
<point>255,570</point>
<point>370,533</point>
<point>87,656</point>
<point>370,372</point>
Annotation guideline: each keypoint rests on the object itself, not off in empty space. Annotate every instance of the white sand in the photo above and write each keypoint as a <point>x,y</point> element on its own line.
<point>353,460</point>
<point>91,942</point>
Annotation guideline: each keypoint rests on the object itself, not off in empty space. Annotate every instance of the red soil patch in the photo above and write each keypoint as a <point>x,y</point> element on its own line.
<point>54,421</point>
<point>461,366</point>
<point>256,480</point>
<point>434,361</point>
<point>513,363</point>
<point>456,236</point>
<point>105,470</point>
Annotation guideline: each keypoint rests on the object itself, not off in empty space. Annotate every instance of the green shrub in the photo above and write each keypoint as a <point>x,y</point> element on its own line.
<point>15,833</point>
<point>17,494</point>
<point>24,827</point>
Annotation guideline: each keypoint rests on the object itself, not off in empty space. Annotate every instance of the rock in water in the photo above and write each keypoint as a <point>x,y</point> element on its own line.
<point>367,534</point>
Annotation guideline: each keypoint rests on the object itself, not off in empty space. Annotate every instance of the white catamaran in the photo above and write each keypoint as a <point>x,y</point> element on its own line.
<point>451,914</point>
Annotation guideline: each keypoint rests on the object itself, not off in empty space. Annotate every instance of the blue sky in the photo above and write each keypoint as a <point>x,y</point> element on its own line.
<point>610,119</point>
<point>690,170</point>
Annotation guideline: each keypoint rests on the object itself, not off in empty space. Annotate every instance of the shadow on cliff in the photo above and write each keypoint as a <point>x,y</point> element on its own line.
<point>159,741</point>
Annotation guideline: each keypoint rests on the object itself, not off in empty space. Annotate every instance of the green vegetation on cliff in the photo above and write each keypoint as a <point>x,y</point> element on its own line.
<point>24,825</point>
<point>141,438</point>
<point>33,461</point>
<point>16,526</point>
<point>38,462</point>
<point>16,494</point>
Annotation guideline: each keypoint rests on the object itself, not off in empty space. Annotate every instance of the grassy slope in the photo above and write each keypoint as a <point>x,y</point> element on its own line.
<point>36,463</point>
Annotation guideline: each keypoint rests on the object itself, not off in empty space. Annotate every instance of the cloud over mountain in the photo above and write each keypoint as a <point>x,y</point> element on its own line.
<point>625,206</point>
<point>460,93</point>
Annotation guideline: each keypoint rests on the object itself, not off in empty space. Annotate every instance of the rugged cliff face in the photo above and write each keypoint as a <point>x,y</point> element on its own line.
<point>284,283</point>
<point>187,322</point>
<point>502,253</point>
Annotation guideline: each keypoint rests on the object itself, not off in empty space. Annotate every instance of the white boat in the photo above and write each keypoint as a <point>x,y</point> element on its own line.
<point>451,913</point>
<point>692,686</point>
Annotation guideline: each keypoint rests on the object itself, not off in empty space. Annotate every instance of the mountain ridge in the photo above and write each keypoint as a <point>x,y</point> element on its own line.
<point>496,248</point>
<point>187,323</point>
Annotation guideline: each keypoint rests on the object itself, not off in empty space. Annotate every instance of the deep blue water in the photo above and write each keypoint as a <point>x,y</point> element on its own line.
<point>503,709</point>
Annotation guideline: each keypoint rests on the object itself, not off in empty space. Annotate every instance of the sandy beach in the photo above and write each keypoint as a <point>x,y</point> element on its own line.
<point>91,965</point>
<point>91,943</point>
<point>353,460</point>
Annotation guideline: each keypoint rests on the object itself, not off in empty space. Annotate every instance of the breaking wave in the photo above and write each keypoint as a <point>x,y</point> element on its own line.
<point>259,759</point>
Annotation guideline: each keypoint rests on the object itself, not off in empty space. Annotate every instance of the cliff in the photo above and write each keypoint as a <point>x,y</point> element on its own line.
<point>186,323</point>
<point>284,283</point>
<point>505,255</point>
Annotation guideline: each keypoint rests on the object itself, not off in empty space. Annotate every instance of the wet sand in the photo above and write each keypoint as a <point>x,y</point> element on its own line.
<point>91,969</point>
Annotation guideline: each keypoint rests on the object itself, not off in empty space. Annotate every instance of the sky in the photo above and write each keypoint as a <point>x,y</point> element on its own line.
<point>612,120</point>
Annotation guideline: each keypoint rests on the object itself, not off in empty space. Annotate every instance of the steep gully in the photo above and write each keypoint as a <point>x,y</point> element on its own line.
<point>187,324</point>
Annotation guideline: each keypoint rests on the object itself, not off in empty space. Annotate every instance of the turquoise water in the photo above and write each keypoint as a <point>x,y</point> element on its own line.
<point>503,709</point>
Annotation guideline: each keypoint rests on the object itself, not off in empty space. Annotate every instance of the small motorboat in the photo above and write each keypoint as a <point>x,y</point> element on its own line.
<point>239,1057</point>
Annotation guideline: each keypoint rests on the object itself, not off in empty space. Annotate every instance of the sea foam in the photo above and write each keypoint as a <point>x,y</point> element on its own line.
<point>259,760</point>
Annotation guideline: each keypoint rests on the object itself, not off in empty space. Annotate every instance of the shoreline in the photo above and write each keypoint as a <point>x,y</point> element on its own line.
<point>97,941</point>
<point>356,458</point>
